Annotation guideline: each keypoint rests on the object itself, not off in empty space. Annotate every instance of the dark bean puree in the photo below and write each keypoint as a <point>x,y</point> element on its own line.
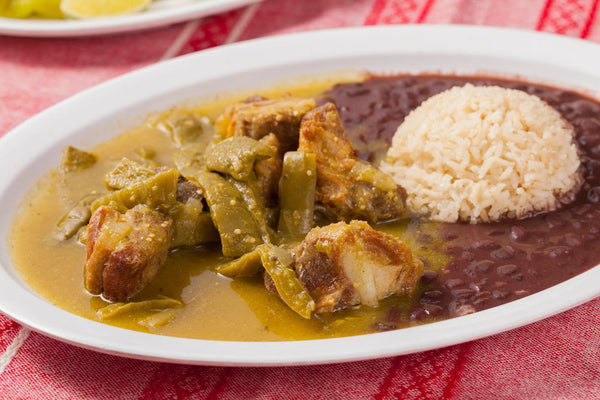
<point>490,264</point>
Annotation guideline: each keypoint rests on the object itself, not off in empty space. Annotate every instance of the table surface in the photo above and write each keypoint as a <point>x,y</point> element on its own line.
<point>557,358</point>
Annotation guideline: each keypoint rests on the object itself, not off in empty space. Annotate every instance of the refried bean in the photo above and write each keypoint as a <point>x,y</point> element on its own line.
<point>495,263</point>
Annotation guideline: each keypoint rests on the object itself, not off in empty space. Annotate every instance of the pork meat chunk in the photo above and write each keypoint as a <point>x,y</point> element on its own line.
<point>187,189</point>
<point>347,186</point>
<point>259,117</point>
<point>343,265</point>
<point>124,251</point>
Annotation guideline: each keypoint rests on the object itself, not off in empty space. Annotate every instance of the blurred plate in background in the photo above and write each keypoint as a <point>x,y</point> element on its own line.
<point>160,13</point>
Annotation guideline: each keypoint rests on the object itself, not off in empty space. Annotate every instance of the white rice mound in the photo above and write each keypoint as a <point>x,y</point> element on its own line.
<point>481,154</point>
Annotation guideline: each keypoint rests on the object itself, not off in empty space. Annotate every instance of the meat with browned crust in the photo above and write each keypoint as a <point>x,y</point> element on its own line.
<point>124,251</point>
<point>343,265</point>
<point>259,117</point>
<point>347,187</point>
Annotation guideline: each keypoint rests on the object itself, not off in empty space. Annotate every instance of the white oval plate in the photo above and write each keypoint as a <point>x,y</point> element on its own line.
<point>32,148</point>
<point>160,13</point>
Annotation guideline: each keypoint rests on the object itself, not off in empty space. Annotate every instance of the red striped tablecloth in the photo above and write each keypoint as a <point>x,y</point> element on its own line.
<point>557,358</point>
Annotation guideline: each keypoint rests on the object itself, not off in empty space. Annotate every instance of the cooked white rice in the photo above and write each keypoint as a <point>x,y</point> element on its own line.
<point>479,154</point>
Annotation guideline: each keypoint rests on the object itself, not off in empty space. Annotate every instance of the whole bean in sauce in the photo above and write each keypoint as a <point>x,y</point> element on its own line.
<point>489,264</point>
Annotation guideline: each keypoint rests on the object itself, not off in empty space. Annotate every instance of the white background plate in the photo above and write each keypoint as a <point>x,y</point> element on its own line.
<point>160,13</point>
<point>122,102</point>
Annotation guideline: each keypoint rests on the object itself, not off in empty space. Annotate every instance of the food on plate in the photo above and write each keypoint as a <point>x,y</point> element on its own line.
<point>347,186</point>
<point>56,9</point>
<point>280,277</point>
<point>129,233</point>
<point>335,267</point>
<point>480,154</point>
<point>30,9</point>
<point>268,217</point>
<point>343,265</point>
<point>297,208</point>
<point>258,116</point>
<point>74,159</point>
<point>124,250</point>
<point>101,8</point>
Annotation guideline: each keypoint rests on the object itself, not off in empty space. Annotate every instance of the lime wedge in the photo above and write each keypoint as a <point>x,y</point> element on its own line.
<point>30,8</point>
<point>101,8</point>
